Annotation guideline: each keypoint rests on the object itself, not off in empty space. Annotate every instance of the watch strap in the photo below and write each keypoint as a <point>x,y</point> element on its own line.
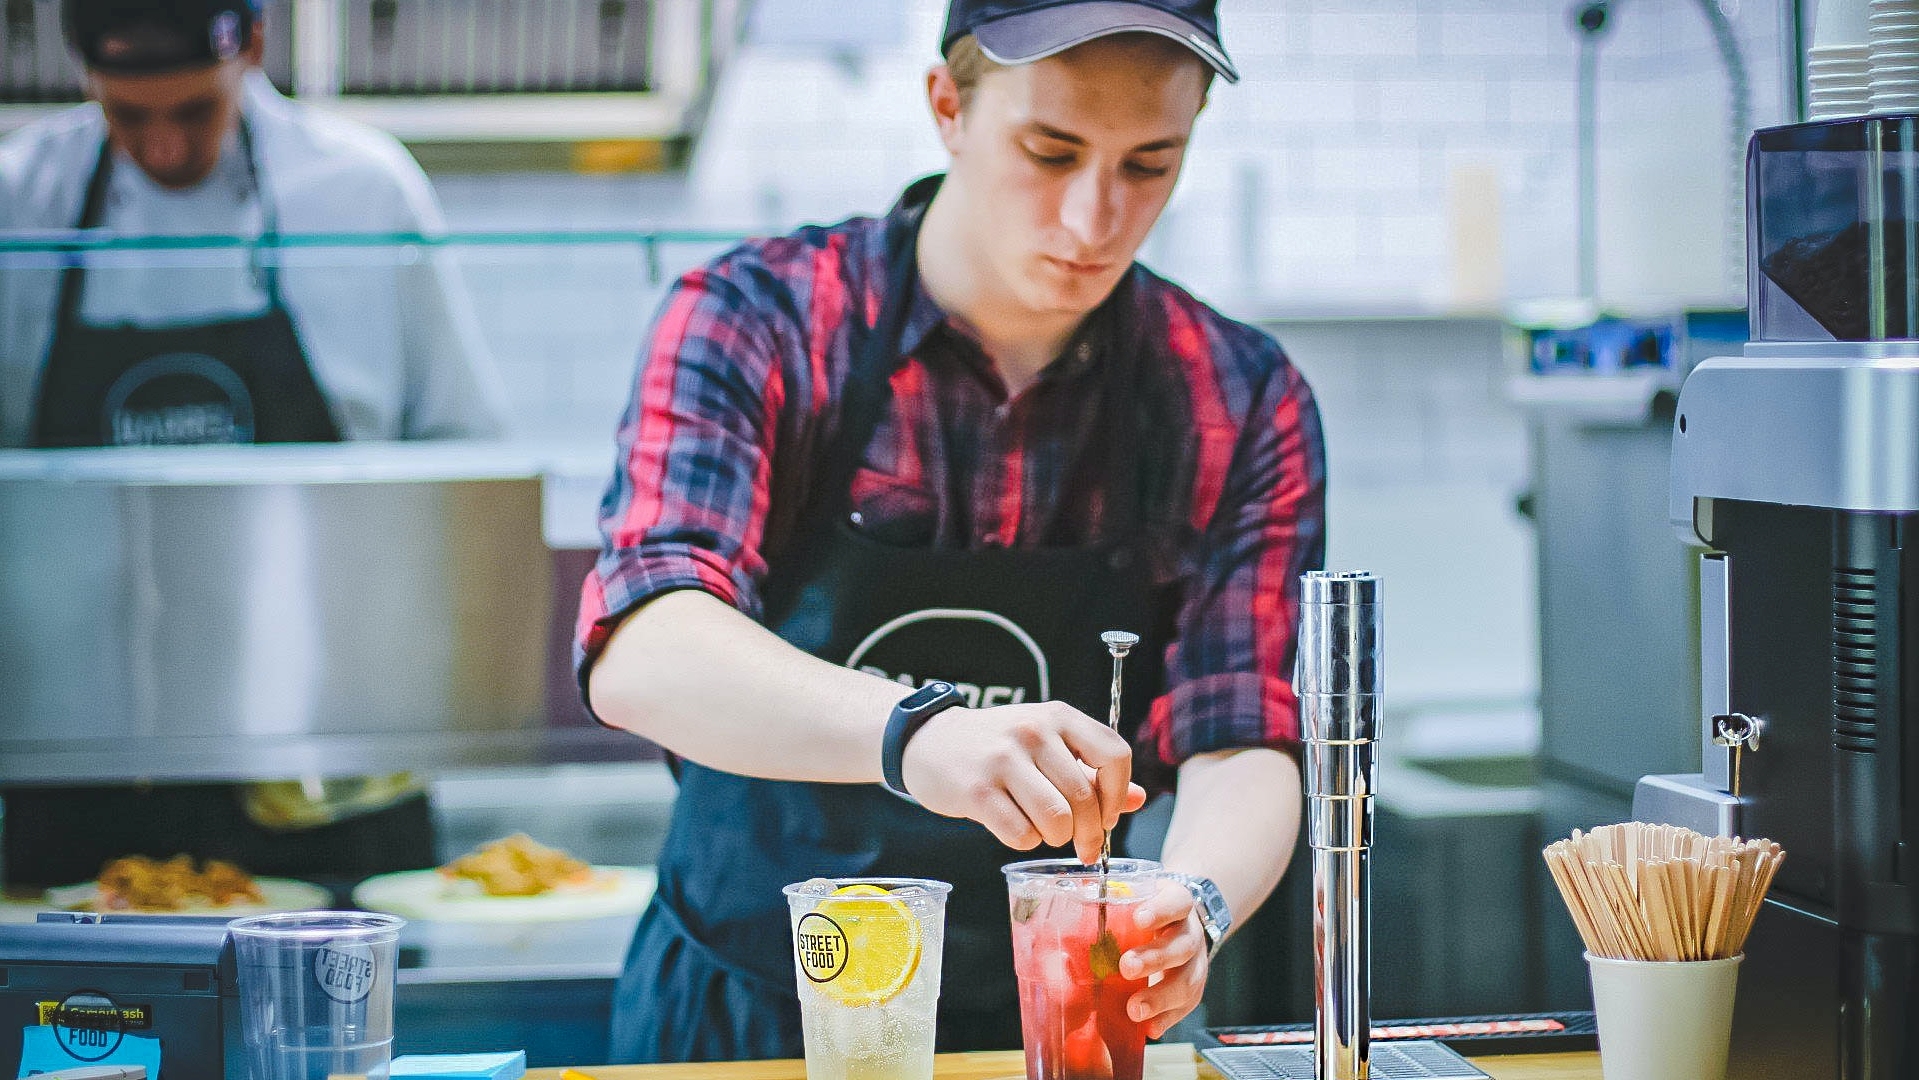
<point>911,714</point>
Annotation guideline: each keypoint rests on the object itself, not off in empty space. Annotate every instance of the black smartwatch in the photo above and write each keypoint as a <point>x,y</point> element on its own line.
<point>908,717</point>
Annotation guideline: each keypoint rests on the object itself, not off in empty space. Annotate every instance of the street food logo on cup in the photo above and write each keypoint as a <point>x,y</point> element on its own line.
<point>344,972</point>
<point>89,1025</point>
<point>821,946</point>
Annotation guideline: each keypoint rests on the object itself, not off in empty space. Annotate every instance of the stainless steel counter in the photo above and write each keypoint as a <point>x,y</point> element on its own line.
<point>226,613</point>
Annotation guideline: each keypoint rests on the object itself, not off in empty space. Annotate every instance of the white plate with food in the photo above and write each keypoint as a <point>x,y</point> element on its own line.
<point>177,886</point>
<point>514,880</point>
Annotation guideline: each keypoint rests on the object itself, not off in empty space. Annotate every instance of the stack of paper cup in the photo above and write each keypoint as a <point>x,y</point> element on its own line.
<point>1839,66</point>
<point>1893,33</point>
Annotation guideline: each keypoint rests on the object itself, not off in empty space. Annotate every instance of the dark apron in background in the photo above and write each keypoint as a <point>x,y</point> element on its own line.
<point>710,973</point>
<point>244,380</point>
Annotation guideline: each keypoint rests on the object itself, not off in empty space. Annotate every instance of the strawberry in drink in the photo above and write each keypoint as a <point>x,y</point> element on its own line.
<point>1067,942</point>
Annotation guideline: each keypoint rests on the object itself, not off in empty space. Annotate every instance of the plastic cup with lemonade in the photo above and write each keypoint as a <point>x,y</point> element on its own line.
<point>867,955</point>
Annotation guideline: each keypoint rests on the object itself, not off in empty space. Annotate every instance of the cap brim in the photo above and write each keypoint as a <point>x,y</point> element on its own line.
<point>1035,35</point>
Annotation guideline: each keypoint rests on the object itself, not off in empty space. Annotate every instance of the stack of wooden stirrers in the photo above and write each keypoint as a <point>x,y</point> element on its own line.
<point>1659,892</point>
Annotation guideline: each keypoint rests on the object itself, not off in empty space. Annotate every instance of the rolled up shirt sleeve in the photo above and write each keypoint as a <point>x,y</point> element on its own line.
<point>687,505</point>
<point>1229,669</point>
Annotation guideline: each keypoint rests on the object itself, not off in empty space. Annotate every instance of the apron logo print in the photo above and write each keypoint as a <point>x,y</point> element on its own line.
<point>977,697</point>
<point>821,947</point>
<point>178,399</point>
<point>344,972</point>
<point>1005,665</point>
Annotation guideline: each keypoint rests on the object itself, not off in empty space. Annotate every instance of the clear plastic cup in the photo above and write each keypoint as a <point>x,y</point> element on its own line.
<point>867,953</point>
<point>316,993</point>
<point>1069,931</point>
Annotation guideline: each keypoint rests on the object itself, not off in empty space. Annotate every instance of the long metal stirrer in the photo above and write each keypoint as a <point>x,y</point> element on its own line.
<point>1118,643</point>
<point>1106,946</point>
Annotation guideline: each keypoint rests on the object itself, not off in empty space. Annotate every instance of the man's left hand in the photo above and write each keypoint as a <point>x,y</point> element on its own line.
<point>1176,953</point>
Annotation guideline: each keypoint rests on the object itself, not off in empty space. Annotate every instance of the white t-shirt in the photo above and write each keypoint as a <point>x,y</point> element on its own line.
<point>393,343</point>
<point>156,289</point>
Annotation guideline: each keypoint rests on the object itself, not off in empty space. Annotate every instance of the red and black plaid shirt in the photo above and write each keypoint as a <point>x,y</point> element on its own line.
<point>740,389</point>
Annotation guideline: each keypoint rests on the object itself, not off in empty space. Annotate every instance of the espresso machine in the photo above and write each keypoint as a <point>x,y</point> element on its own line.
<point>1796,466</point>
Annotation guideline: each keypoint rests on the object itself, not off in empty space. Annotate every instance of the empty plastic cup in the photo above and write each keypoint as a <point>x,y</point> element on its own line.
<point>316,993</point>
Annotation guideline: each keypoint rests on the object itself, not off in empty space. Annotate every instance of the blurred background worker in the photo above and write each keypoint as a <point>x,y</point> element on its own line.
<point>186,137</point>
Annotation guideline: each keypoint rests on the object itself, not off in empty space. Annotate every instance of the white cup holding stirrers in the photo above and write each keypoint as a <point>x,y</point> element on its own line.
<point>1663,1020</point>
<point>1664,913</point>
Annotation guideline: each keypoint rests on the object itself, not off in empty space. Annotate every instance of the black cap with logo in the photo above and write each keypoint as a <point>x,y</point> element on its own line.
<point>1021,31</point>
<point>148,37</point>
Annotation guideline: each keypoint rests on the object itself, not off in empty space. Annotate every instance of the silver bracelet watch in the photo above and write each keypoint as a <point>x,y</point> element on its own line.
<point>1211,908</point>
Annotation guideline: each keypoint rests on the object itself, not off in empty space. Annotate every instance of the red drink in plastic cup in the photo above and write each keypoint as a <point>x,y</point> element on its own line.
<point>1072,1000</point>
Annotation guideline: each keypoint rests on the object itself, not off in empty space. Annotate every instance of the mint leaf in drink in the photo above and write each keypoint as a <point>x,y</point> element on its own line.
<point>1024,907</point>
<point>1103,958</point>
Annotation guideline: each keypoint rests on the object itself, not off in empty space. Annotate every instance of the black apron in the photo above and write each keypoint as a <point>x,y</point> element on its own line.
<point>710,973</point>
<point>242,380</point>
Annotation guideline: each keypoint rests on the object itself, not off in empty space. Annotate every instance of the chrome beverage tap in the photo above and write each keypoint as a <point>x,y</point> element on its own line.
<point>1339,692</point>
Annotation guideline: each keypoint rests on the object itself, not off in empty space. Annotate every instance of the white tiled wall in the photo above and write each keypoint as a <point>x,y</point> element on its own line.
<point>1425,465</point>
<point>1344,173</point>
<point>1339,176</point>
<point>1336,153</point>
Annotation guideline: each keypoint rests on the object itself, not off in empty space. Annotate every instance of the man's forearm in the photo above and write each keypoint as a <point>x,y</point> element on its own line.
<point>695,675</point>
<point>1235,821</point>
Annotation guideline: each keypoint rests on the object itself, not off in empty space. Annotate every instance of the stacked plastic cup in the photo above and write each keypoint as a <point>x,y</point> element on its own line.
<point>1892,29</point>
<point>1839,65</point>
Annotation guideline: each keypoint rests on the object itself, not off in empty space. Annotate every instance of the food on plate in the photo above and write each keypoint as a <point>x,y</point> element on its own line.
<point>518,866</point>
<point>138,883</point>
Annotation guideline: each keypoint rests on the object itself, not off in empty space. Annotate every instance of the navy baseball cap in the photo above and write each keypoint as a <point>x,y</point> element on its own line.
<point>1022,31</point>
<point>148,37</point>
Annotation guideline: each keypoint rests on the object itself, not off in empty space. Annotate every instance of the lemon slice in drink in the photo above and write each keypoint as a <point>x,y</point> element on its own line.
<point>882,945</point>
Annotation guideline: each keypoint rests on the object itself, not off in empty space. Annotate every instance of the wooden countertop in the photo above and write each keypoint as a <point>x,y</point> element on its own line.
<point>1163,1063</point>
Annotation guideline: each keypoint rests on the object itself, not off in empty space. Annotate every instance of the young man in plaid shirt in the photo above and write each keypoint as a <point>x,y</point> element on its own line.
<point>883,485</point>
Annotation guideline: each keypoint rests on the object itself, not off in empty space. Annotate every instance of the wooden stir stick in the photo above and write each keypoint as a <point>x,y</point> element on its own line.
<point>1657,892</point>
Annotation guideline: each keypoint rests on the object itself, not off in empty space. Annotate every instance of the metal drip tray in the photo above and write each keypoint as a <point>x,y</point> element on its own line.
<point>1395,1061</point>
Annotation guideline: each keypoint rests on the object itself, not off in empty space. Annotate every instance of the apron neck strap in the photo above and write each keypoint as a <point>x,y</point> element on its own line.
<point>91,208</point>
<point>877,355</point>
<point>1128,428</point>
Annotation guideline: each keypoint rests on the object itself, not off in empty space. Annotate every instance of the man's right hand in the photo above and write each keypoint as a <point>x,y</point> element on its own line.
<point>1031,773</point>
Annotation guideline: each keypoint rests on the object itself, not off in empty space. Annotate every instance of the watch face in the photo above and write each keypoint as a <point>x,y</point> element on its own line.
<point>1209,902</point>
<point>926,695</point>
